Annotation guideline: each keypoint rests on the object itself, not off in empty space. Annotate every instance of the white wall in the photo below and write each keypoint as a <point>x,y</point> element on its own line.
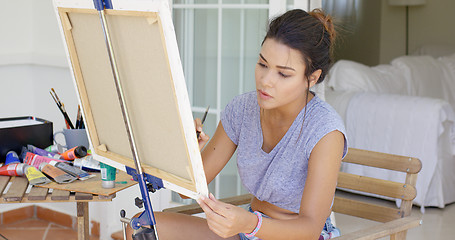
<point>432,23</point>
<point>32,61</point>
<point>15,28</point>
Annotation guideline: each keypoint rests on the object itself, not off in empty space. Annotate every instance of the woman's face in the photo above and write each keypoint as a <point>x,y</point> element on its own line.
<point>280,78</point>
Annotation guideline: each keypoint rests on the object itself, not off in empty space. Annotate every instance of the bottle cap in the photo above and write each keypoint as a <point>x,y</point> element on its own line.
<point>11,157</point>
<point>80,151</point>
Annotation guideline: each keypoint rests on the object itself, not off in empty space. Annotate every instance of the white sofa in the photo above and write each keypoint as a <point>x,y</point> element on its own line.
<point>406,108</point>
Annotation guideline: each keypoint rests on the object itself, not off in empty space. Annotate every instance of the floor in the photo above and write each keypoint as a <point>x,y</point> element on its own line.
<point>37,229</point>
<point>437,223</point>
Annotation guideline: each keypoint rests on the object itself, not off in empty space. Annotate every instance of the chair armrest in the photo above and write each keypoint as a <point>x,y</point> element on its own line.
<point>383,229</point>
<point>194,208</point>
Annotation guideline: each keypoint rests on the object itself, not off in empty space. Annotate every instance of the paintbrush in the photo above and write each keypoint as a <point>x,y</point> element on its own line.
<point>78,118</point>
<point>61,107</point>
<point>203,120</point>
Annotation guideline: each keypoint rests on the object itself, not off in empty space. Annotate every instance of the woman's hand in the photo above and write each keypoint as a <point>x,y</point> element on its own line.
<point>227,220</point>
<point>203,138</point>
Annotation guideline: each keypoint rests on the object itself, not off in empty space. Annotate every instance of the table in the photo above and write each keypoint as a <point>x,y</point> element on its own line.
<point>80,192</point>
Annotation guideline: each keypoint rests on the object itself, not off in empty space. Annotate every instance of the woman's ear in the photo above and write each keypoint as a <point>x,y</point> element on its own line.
<point>314,77</point>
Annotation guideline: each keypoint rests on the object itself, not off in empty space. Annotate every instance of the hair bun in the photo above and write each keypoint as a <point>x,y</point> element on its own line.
<point>326,21</point>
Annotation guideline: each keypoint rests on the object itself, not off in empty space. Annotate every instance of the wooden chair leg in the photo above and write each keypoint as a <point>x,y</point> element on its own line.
<point>399,236</point>
<point>82,221</point>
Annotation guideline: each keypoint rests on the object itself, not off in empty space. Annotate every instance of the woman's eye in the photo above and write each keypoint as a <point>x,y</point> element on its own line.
<point>283,75</point>
<point>262,65</point>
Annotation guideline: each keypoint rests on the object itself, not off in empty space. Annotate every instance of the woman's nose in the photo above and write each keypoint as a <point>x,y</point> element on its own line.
<point>267,79</point>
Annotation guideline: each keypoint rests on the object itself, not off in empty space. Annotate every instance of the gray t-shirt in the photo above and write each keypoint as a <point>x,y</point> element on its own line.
<point>277,177</point>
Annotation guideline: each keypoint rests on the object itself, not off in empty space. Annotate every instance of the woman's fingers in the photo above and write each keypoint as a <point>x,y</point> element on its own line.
<point>183,196</point>
<point>198,124</point>
<point>202,137</point>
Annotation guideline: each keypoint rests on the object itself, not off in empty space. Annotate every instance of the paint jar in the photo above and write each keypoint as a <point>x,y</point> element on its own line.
<point>107,175</point>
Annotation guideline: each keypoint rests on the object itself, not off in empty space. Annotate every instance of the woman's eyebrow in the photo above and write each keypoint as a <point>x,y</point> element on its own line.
<point>282,67</point>
<point>263,58</point>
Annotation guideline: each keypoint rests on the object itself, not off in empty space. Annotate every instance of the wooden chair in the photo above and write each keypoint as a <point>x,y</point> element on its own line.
<point>394,222</point>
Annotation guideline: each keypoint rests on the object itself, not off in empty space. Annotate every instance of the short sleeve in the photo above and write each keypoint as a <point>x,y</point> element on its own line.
<point>327,125</point>
<point>231,118</point>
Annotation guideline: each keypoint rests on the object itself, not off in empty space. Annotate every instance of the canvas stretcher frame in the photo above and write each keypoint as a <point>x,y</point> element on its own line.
<point>150,71</point>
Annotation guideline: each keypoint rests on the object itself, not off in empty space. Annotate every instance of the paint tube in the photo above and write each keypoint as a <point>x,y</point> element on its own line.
<point>87,164</point>
<point>43,152</point>
<point>73,171</point>
<point>12,169</point>
<point>55,173</point>
<point>34,176</point>
<point>35,160</point>
<point>56,148</point>
<point>107,176</point>
<point>11,157</point>
<point>75,152</point>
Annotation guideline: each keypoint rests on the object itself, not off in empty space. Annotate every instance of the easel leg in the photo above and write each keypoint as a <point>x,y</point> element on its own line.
<point>82,221</point>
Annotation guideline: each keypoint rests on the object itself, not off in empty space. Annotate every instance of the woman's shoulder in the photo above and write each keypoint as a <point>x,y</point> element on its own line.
<point>321,109</point>
<point>322,115</point>
<point>323,119</point>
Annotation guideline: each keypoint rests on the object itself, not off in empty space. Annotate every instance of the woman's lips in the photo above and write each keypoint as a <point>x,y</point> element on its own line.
<point>264,95</point>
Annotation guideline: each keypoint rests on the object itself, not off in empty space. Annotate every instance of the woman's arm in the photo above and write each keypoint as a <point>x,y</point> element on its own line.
<point>217,153</point>
<point>227,220</point>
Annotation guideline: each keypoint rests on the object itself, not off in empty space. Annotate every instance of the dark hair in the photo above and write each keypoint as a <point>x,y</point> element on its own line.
<point>310,33</point>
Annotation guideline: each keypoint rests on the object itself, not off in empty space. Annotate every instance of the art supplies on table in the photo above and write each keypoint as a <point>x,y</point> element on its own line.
<point>12,157</point>
<point>34,176</point>
<point>87,164</point>
<point>75,152</point>
<point>73,138</point>
<point>43,152</point>
<point>107,175</point>
<point>35,160</point>
<point>17,132</point>
<point>58,175</point>
<point>12,169</point>
<point>72,170</point>
<point>56,148</point>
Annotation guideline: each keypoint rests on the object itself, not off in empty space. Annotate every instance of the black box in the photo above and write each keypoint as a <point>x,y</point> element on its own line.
<point>19,131</point>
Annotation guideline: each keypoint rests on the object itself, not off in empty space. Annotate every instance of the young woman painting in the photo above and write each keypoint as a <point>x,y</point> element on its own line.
<point>289,143</point>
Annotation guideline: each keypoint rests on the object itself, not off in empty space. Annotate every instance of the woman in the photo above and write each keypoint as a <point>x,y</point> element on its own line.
<point>289,144</point>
